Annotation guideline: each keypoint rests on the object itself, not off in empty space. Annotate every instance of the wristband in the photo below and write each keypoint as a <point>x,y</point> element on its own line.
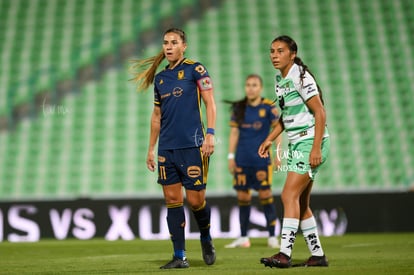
<point>210,131</point>
<point>230,156</point>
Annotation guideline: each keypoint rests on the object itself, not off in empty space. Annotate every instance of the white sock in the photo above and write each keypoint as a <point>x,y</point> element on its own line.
<point>310,233</point>
<point>288,235</point>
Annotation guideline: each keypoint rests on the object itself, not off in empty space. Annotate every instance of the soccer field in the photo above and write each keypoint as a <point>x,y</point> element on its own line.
<point>348,254</point>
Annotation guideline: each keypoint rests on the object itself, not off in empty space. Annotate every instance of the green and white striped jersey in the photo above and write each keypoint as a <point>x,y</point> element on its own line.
<point>292,95</point>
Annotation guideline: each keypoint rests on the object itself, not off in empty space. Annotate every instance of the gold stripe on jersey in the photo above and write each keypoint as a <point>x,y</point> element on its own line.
<point>188,61</point>
<point>268,102</point>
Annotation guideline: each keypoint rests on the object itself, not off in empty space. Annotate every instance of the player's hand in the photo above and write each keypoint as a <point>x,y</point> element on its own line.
<point>264,149</point>
<point>208,145</point>
<point>151,161</point>
<point>232,166</point>
<point>315,157</point>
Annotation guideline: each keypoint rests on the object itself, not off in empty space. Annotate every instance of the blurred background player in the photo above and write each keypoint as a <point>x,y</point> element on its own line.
<point>304,120</point>
<point>184,147</point>
<point>251,120</point>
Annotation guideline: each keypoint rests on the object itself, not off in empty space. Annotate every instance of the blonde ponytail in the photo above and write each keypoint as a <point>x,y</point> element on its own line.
<point>144,70</point>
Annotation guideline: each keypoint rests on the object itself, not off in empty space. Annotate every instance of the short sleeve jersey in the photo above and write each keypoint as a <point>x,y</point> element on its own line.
<point>298,120</point>
<point>257,123</point>
<point>177,93</point>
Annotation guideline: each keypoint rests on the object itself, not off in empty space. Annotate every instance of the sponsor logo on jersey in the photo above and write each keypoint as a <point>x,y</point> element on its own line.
<point>310,90</point>
<point>177,92</point>
<point>165,95</point>
<point>257,125</point>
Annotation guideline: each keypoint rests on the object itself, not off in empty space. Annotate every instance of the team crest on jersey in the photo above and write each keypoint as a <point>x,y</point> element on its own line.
<point>262,112</point>
<point>161,159</point>
<point>180,74</point>
<point>161,82</point>
<point>200,69</point>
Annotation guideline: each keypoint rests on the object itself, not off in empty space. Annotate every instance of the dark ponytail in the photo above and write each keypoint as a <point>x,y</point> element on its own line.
<point>238,108</point>
<point>305,69</point>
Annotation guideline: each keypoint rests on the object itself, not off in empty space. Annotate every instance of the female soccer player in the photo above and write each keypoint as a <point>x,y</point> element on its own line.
<point>251,121</point>
<point>184,147</point>
<point>303,119</point>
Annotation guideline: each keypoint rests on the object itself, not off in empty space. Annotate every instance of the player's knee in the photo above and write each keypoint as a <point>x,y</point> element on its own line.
<point>173,198</point>
<point>265,194</point>
<point>243,195</point>
<point>196,202</point>
<point>288,197</point>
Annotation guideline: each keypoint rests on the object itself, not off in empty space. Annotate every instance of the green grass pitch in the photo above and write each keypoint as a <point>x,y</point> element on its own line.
<point>349,254</point>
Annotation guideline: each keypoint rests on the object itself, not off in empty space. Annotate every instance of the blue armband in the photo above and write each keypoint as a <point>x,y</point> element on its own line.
<point>210,131</point>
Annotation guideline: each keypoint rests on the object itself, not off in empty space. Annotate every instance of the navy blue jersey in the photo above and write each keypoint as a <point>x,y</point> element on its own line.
<point>256,126</point>
<point>177,93</point>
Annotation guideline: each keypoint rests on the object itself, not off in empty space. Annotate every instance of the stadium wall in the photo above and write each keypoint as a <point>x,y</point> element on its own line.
<point>337,214</point>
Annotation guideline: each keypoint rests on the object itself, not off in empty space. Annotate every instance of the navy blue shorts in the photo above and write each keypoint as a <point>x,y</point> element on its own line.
<point>187,166</point>
<point>257,178</point>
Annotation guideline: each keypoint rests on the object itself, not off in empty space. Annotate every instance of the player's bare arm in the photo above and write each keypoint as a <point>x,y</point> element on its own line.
<point>154,133</point>
<point>209,102</point>
<point>316,106</point>
<point>265,146</point>
<point>233,141</point>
